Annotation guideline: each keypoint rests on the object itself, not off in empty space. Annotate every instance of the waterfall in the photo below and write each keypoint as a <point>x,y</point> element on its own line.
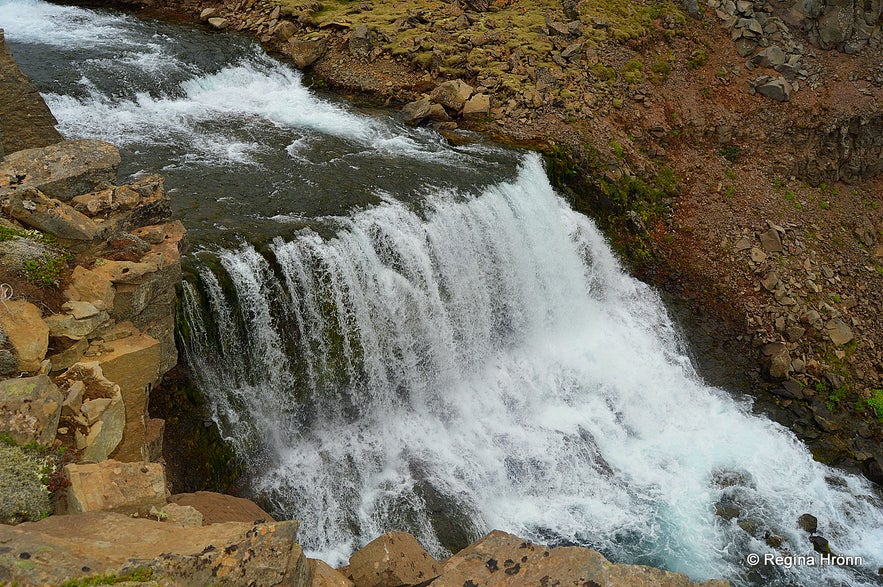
<point>483,362</point>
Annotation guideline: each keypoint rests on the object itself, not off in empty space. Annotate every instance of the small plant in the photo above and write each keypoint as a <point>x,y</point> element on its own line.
<point>730,174</point>
<point>697,59</point>
<point>789,196</point>
<point>617,149</point>
<point>45,271</point>
<point>835,398</point>
<point>778,183</point>
<point>730,152</point>
<point>632,71</point>
<point>876,402</point>
<point>824,204</point>
<point>836,298</point>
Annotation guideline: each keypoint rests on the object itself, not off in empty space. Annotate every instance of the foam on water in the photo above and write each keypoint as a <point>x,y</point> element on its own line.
<point>491,359</point>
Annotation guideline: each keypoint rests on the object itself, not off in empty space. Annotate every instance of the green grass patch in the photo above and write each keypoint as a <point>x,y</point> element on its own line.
<point>875,402</point>
<point>139,575</point>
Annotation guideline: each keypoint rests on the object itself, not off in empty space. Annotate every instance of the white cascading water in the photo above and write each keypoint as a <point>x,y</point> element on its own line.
<point>491,355</point>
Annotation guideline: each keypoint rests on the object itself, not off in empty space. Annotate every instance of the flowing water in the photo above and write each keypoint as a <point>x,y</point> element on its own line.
<point>399,334</point>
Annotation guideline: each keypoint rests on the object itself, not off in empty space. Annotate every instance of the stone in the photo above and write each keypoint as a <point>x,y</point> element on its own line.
<point>207,14</point>
<point>217,22</point>
<point>745,47</point>
<point>90,286</point>
<point>155,206</point>
<point>361,40</point>
<point>794,333</point>
<point>415,112</point>
<point>770,281</point>
<point>757,255</point>
<point>306,52</point>
<point>392,560</point>
<point>104,412</point>
<point>80,310</point>
<point>127,488</point>
<point>33,208</point>
<point>839,332</point>
<point>769,57</point>
<point>25,120</point>
<point>62,170</point>
<point>324,576</point>
<point>184,516</point>
<point>779,365</point>
<point>872,468</point>
<point>124,271</point>
<point>152,235</point>
<point>93,203</point>
<point>478,106</point>
<point>30,408</point>
<point>438,113</point>
<point>224,555</point>
<point>774,88</point>
<point>73,401</point>
<point>154,431</point>
<point>808,523</point>
<point>134,365</point>
<point>452,94</point>
<point>67,326</point>
<point>26,333</point>
<point>518,563</point>
<point>771,241</point>
<point>285,30</point>
<point>217,508</point>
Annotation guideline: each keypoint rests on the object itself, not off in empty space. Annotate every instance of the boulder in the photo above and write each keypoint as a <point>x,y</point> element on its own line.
<point>452,94</point>
<point>324,576</point>
<point>218,22</point>
<point>285,30</point>
<point>33,208</point>
<point>30,408</point>
<point>85,545</point>
<point>123,271</point>
<point>68,326</point>
<point>25,120</point>
<point>217,508</point>
<point>93,203</point>
<point>503,560</point>
<point>154,206</point>
<point>392,560</point>
<point>769,57</point>
<point>478,106</point>
<point>62,170</point>
<point>92,287</point>
<point>776,88</point>
<point>26,333</point>
<point>305,52</point>
<point>128,488</point>
<point>771,241</point>
<point>839,332</point>
<point>94,407</point>
<point>415,112</point>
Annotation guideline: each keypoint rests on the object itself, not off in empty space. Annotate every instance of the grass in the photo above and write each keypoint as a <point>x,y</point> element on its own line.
<point>876,403</point>
<point>139,575</point>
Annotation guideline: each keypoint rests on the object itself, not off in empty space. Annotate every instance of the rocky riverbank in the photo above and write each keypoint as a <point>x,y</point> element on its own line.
<point>731,150</point>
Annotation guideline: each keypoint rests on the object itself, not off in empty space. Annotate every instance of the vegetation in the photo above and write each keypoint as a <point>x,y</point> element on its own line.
<point>47,270</point>
<point>138,575</point>
<point>876,403</point>
<point>24,496</point>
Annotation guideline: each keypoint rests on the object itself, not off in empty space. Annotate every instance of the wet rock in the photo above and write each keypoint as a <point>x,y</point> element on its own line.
<point>217,508</point>
<point>415,112</point>
<point>30,408</point>
<point>872,468</point>
<point>820,544</point>
<point>789,389</point>
<point>26,333</point>
<point>25,120</point>
<point>62,170</point>
<point>127,488</point>
<point>305,52</point>
<point>808,523</point>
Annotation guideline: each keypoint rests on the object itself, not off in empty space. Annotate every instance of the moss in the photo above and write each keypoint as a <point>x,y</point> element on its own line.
<point>23,495</point>
<point>138,575</point>
<point>632,71</point>
<point>876,403</point>
<point>46,271</point>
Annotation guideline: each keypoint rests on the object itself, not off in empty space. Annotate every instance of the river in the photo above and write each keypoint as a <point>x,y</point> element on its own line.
<point>396,333</point>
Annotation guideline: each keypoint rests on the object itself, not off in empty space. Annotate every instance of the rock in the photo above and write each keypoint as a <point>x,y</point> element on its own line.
<point>93,203</point>
<point>69,327</point>
<point>134,365</point>
<point>207,14</point>
<point>217,508</point>
<point>127,488</point>
<point>92,287</point>
<point>62,170</point>
<point>839,332</point>
<point>80,310</point>
<point>438,113</point>
<point>415,112</point>
<point>23,498</point>
<point>30,408</point>
<point>361,41</point>
<point>771,241</point>
<point>820,544</point>
<point>154,431</point>
<point>779,365</point>
<point>392,560</point>
<point>757,255</point>
<point>775,88</point>
<point>104,411</point>
<point>305,52</point>
<point>794,333</point>
<point>324,576</point>
<point>504,560</point>
<point>452,94</point>
<point>26,333</point>
<point>478,106</point>
<point>32,208</point>
<point>808,522</point>
<point>872,468</point>
<point>790,389</point>
<point>155,206</point>
<point>770,281</point>
<point>184,516</point>
<point>745,47</point>
<point>769,57</point>
<point>218,22</point>
<point>25,120</point>
<point>228,555</point>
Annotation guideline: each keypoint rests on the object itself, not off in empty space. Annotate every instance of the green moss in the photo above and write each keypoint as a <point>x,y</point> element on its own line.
<point>632,71</point>
<point>697,59</point>
<point>876,402</point>
<point>139,575</point>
